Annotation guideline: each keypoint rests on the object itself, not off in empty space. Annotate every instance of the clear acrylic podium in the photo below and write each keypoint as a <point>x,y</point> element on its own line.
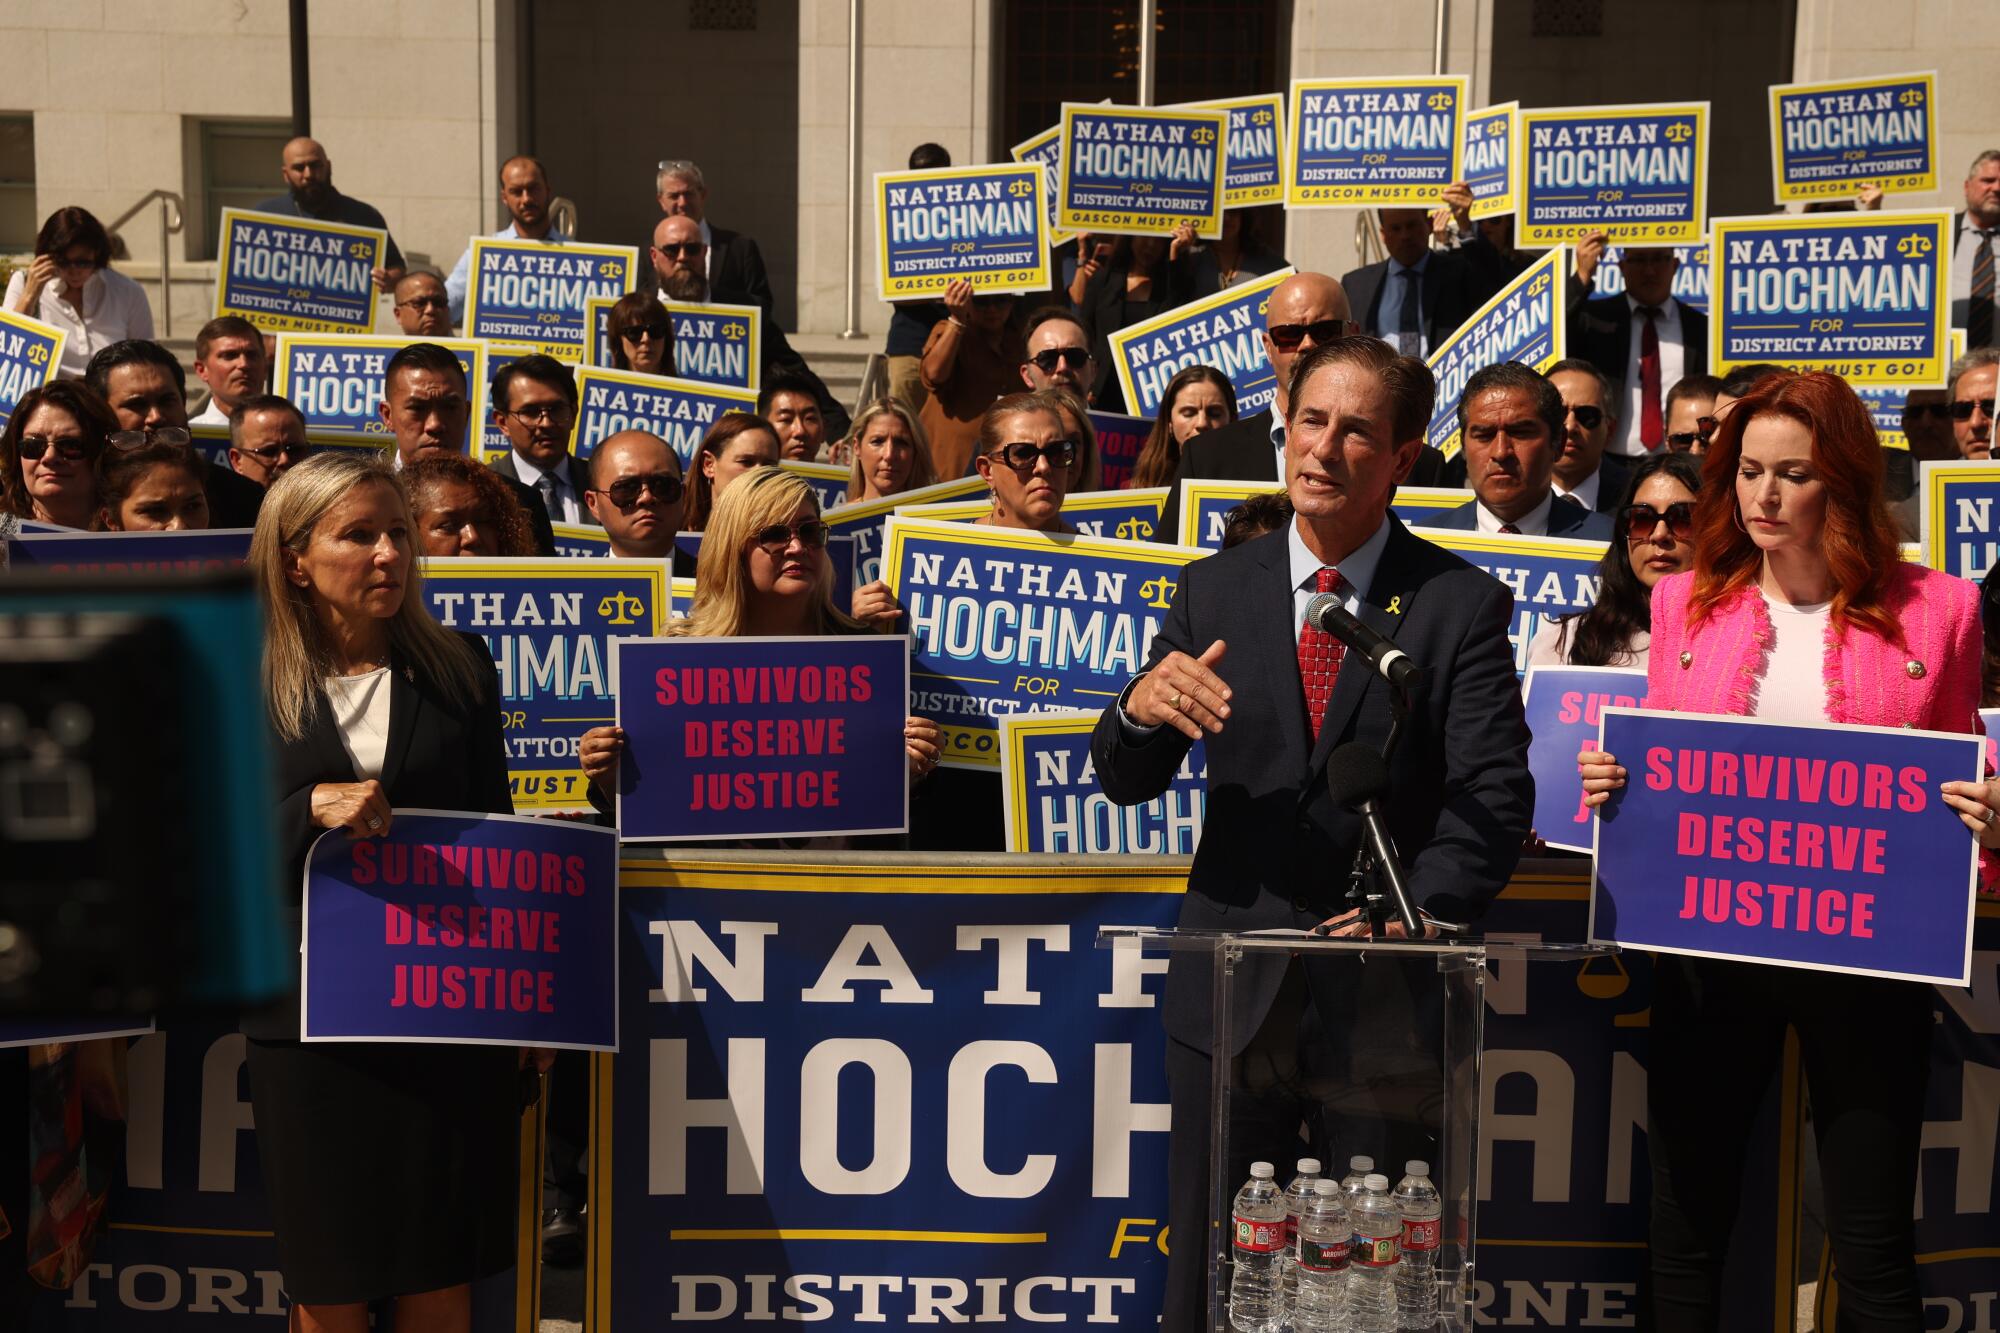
<point>1399,1074</point>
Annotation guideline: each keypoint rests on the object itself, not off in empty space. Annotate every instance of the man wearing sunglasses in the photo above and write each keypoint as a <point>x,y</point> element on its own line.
<point>422,308</point>
<point>1583,472</point>
<point>267,437</point>
<point>534,405</point>
<point>1973,378</point>
<point>636,493</point>
<point>1645,339</point>
<point>1058,353</point>
<point>524,193</point>
<point>147,390</point>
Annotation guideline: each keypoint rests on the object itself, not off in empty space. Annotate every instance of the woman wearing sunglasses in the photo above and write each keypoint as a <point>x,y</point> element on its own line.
<point>1656,519</point>
<point>48,453</point>
<point>736,443</point>
<point>1198,399</point>
<point>889,451</point>
<point>1798,610</point>
<point>972,357</point>
<point>463,509</point>
<point>641,335</point>
<point>155,487</point>
<point>71,285</point>
<point>763,572</point>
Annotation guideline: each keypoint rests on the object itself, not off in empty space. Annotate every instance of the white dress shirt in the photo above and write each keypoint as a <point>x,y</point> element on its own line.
<point>1534,523</point>
<point>567,500</point>
<point>1673,364</point>
<point>211,415</point>
<point>1590,487</point>
<point>114,309</point>
<point>461,272</point>
<point>708,250</point>
<point>1278,441</point>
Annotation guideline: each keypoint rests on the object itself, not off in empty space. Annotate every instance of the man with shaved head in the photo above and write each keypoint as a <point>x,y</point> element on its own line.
<point>636,493</point>
<point>1306,310</point>
<point>524,193</point>
<point>308,176</point>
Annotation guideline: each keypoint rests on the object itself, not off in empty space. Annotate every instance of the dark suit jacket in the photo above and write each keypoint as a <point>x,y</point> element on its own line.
<point>1614,473</point>
<point>1600,331</point>
<point>1567,518</point>
<point>1456,283</point>
<point>737,277</point>
<point>233,499</point>
<point>1242,451</point>
<point>442,755</point>
<point>1275,851</point>
<point>575,470</point>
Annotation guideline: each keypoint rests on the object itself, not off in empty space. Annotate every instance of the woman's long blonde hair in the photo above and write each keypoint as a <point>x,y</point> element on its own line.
<point>296,655</point>
<point>760,497</point>
<point>922,471</point>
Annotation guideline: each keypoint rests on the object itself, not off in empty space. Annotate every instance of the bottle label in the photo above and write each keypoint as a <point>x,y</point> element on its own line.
<point>1323,1256</point>
<point>1374,1251</point>
<point>1421,1235</point>
<point>1259,1237</point>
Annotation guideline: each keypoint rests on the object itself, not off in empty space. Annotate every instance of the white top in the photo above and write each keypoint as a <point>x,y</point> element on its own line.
<point>1793,688</point>
<point>1534,523</point>
<point>1673,363</point>
<point>361,710</point>
<point>211,415</point>
<point>1357,572</point>
<point>114,308</point>
<point>1552,643</point>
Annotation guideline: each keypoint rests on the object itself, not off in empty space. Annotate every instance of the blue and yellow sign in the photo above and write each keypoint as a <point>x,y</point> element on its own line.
<point>1054,803</point>
<point>1206,502</point>
<point>1045,149</point>
<point>536,294</point>
<point>862,520</point>
<point>1526,322</point>
<point>1487,163</point>
<point>678,411</point>
<point>1690,279</point>
<point>581,539</point>
<point>1960,518</point>
<point>713,344</point>
<point>1550,577</point>
<point>299,274</point>
<point>1256,148</point>
<point>1005,621</point>
<point>1128,515</point>
<point>1639,174</point>
<point>986,224</point>
<point>1225,330</point>
<point>1373,143</point>
<point>335,380</point>
<point>828,480</point>
<point>1142,170</point>
<point>1860,294</point>
<point>30,351</point>
<point>1830,139</point>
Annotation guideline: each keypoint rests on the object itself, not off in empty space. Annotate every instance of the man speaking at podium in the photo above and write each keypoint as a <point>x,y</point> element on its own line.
<point>1235,664</point>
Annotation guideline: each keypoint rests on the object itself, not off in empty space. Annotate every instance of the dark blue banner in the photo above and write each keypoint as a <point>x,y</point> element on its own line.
<point>470,929</point>
<point>1565,705</point>
<point>129,552</point>
<point>1120,441</point>
<point>297,274</point>
<point>763,737</point>
<point>1142,169</point>
<point>1054,803</point>
<point>1383,143</point>
<point>1878,873</point>
<point>1637,173</point>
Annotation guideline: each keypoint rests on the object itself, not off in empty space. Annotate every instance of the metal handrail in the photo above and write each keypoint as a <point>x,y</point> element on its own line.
<point>173,219</point>
<point>874,381</point>
<point>562,216</point>
<point>1367,239</point>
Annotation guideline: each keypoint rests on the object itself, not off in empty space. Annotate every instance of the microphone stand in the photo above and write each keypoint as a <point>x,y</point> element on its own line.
<point>1376,856</point>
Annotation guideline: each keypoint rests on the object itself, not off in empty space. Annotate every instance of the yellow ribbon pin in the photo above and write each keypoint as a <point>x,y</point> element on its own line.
<point>1396,605</point>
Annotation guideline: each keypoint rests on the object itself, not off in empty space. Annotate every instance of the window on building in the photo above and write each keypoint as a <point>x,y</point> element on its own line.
<point>230,164</point>
<point>18,222</point>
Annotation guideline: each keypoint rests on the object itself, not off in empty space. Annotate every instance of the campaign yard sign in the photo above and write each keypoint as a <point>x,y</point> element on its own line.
<point>1830,139</point>
<point>678,411</point>
<point>536,294</point>
<point>1565,706</point>
<point>1128,515</point>
<point>1205,504</point>
<point>493,442</point>
<point>472,929</point>
<point>1826,847</point>
<point>581,539</point>
<point>1863,295</point>
<point>985,224</point>
<point>1487,163</point>
<point>1225,330</point>
<point>1639,174</point>
<point>1256,148</point>
<point>129,552</point>
<point>1005,621</point>
<point>30,351</point>
<point>1526,322</point>
<point>297,274</point>
<point>1887,404</point>
<point>762,737</point>
<point>1045,150</point>
<point>549,625</point>
<point>1551,577</point>
<point>1054,803</point>
<point>1690,278</point>
<point>1373,143</point>
<point>828,480</point>
<point>1142,170</point>
<point>714,343</point>
<point>862,520</point>
<point>1419,506</point>
<point>1958,518</point>
<point>336,382</point>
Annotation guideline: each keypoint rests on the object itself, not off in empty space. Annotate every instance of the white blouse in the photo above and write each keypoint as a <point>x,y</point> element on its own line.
<point>361,711</point>
<point>1793,688</point>
<point>1554,640</point>
<point>114,308</point>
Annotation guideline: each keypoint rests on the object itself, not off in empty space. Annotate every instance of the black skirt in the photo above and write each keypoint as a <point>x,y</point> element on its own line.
<point>391,1169</point>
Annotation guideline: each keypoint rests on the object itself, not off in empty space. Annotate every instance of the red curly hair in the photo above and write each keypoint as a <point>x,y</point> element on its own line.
<point>1859,536</point>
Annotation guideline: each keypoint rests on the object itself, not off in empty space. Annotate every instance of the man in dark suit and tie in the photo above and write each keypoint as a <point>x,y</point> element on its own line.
<point>1305,311</point>
<point>1417,297</point>
<point>1585,472</point>
<point>1511,422</point>
<point>534,405</point>
<point>1646,339</point>
<point>1234,665</point>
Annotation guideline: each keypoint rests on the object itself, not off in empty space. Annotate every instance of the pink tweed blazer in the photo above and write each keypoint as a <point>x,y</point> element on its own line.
<point>1932,682</point>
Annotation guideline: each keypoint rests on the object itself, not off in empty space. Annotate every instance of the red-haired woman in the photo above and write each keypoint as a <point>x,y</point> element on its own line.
<point>1798,610</point>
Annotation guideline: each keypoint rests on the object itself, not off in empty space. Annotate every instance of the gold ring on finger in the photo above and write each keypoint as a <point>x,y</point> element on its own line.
<point>1174,701</point>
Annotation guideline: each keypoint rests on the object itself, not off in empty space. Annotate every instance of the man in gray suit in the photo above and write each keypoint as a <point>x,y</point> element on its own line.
<point>534,404</point>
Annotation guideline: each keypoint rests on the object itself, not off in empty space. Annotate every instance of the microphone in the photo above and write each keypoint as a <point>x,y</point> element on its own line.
<point>1325,613</point>
<point>1357,777</point>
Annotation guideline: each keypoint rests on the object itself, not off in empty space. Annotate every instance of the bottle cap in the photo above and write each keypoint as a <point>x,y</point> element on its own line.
<point>1308,1166</point>
<point>1261,1171</point>
<point>1377,1184</point>
<point>1326,1187</point>
<point>1416,1168</point>
<point>1361,1166</point>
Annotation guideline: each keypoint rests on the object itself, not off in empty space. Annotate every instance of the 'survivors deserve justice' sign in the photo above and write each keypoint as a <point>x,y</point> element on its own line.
<point>287,273</point>
<point>985,224</point>
<point>1565,706</point>
<point>1830,139</point>
<point>1381,143</point>
<point>1142,170</point>
<point>1639,174</point>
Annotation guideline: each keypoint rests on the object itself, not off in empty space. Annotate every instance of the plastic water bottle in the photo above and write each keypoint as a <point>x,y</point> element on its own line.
<point>1416,1270</point>
<point>1325,1234</point>
<point>1371,1282</point>
<point>1297,1195</point>
<point>1358,1169</point>
<point>1256,1290</point>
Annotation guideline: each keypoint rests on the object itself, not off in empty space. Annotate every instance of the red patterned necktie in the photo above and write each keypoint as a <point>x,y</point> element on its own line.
<point>1652,431</point>
<point>1320,656</point>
